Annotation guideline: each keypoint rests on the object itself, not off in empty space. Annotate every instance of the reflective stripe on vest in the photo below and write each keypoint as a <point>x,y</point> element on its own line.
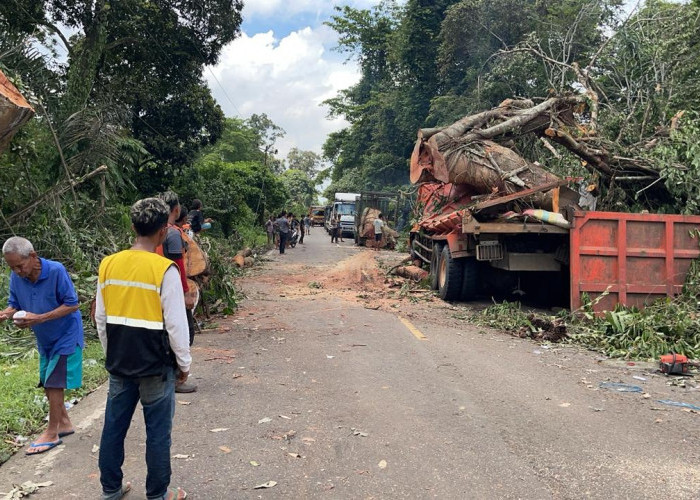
<point>130,282</point>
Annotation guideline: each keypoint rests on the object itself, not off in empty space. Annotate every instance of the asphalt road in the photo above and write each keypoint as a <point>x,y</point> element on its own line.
<point>333,382</point>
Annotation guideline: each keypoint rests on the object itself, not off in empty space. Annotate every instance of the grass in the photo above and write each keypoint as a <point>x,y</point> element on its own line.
<point>22,405</point>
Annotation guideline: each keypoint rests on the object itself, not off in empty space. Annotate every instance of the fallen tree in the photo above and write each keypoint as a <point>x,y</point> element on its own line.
<point>479,150</point>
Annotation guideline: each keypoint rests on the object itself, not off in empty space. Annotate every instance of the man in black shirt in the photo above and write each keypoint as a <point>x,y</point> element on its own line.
<point>196,217</point>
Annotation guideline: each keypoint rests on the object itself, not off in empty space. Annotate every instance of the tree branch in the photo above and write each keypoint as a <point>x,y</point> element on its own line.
<point>60,35</point>
<point>56,190</point>
<point>121,41</point>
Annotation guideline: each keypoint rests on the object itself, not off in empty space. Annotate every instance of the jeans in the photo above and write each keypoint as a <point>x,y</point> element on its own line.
<point>283,241</point>
<point>158,400</point>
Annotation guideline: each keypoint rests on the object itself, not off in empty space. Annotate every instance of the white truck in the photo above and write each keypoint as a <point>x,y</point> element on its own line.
<point>345,205</point>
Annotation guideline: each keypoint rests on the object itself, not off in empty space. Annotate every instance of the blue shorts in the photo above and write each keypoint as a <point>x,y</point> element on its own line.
<point>62,371</point>
<point>378,237</point>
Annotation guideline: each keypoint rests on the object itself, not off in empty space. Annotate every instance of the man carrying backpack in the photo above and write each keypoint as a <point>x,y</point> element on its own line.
<point>174,248</point>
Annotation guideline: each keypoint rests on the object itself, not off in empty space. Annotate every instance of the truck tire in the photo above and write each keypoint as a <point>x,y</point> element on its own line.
<point>450,273</point>
<point>470,278</point>
<point>434,265</point>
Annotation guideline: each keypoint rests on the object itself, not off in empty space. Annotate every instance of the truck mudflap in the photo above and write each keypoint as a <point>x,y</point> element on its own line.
<point>630,259</point>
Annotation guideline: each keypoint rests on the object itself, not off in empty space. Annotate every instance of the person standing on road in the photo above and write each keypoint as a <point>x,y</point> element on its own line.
<point>43,298</point>
<point>334,230</point>
<point>340,230</point>
<point>307,224</point>
<point>175,249</point>
<point>378,230</point>
<point>302,231</point>
<point>141,322</point>
<point>270,230</point>
<point>282,225</point>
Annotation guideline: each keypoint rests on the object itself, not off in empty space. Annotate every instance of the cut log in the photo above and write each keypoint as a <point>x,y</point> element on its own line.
<point>15,111</point>
<point>411,272</point>
<point>197,262</point>
<point>488,168</point>
<point>193,292</point>
<point>239,260</point>
<point>249,262</point>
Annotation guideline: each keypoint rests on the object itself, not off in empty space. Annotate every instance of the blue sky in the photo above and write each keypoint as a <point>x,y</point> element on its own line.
<point>283,65</point>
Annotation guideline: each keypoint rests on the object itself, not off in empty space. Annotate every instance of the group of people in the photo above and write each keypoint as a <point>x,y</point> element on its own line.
<point>144,321</point>
<point>287,230</point>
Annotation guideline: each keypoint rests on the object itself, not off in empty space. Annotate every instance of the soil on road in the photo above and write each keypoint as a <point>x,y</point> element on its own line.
<point>334,381</point>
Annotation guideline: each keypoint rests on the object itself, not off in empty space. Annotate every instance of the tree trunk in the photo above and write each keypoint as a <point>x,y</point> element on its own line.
<point>15,111</point>
<point>84,61</point>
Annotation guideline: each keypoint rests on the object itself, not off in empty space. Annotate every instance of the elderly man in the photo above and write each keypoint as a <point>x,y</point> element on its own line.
<point>141,321</point>
<point>43,298</point>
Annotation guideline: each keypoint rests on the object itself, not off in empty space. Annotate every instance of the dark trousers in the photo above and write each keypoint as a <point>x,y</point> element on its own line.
<point>157,397</point>
<point>190,324</point>
<point>334,234</point>
<point>283,241</point>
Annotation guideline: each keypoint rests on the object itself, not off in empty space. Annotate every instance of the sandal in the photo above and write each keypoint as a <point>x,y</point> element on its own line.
<point>176,494</point>
<point>126,488</point>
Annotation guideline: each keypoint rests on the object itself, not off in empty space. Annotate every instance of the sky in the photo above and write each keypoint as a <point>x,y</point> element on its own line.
<point>283,65</point>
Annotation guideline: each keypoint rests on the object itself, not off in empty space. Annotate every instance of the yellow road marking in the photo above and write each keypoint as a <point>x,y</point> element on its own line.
<point>415,331</point>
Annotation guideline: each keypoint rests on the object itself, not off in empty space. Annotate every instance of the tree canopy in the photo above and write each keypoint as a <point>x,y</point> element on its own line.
<point>427,64</point>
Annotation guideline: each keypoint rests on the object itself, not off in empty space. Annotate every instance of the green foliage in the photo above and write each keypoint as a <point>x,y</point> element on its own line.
<point>508,316</point>
<point>141,61</point>
<point>305,161</point>
<point>219,291</point>
<point>666,325</point>
<point>300,188</point>
<point>661,35</point>
<point>679,163</point>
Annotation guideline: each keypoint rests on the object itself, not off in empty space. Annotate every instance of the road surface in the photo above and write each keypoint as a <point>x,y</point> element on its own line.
<point>334,382</point>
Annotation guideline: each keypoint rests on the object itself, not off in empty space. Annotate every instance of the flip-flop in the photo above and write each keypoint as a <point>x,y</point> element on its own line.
<point>176,494</point>
<point>67,433</point>
<point>51,445</point>
<point>126,488</point>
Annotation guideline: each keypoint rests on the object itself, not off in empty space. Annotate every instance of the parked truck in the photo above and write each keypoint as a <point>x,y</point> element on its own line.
<point>612,257</point>
<point>317,214</point>
<point>491,223</point>
<point>344,205</point>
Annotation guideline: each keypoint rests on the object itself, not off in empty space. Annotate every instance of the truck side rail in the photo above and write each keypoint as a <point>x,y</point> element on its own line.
<point>471,226</point>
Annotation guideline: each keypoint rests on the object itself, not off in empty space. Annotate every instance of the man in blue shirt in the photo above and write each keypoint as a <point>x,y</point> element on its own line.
<point>43,298</point>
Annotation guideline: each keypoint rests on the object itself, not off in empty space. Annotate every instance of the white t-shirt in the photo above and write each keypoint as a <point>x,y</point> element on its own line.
<point>378,224</point>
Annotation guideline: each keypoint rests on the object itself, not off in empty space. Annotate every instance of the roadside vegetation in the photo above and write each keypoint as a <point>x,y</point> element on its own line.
<point>103,137</point>
<point>664,326</point>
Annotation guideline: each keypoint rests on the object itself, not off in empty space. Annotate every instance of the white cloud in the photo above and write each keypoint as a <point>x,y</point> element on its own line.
<point>287,79</point>
<point>287,8</point>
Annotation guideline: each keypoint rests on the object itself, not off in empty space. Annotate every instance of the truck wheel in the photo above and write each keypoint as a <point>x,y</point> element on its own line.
<point>450,273</point>
<point>434,265</point>
<point>470,278</point>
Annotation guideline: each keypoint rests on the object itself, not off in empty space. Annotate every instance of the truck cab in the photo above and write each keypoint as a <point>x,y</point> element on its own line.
<point>317,214</point>
<point>345,206</point>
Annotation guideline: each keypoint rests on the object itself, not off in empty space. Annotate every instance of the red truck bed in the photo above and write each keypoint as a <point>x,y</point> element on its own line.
<point>636,257</point>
